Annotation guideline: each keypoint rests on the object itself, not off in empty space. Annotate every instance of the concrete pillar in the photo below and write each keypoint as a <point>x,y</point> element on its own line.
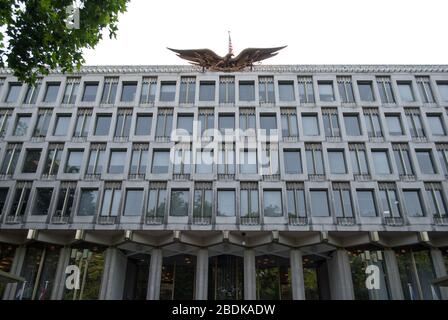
<point>440,269</point>
<point>250,278</point>
<point>393,275</point>
<point>59,279</point>
<point>155,275</point>
<point>201,274</point>
<point>114,275</point>
<point>16,268</point>
<point>297,280</point>
<point>340,276</point>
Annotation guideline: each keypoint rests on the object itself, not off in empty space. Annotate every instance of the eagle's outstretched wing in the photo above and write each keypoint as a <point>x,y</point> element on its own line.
<point>251,55</point>
<point>201,57</point>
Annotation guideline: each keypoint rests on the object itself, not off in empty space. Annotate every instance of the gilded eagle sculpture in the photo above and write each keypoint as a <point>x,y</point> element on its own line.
<point>207,59</point>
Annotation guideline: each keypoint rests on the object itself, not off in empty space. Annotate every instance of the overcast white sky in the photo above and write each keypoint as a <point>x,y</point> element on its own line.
<point>316,31</point>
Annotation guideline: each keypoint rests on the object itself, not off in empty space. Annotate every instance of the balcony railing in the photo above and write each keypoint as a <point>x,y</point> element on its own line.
<point>202,220</point>
<point>290,139</point>
<point>48,176</point>
<point>249,221</point>
<point>121,139</point>
<point>226,176</point>
<point>58,219</point>
<point>407,177</point>
<point>181,176</point>
<point>316,177</point>
<point>333,139</point>
<point>79,139</point>
<point>346,221</point>
<point>297,221</point>
<point>362,177</point>
<point>154,220</point>
<point>92,176</point>
<point>14,219</point>
<point>162,138</point>
<point>441,220</point>
<point>271,177</point>
<point>394,221</point>
<point>136,176</point>
<point>107,219</point>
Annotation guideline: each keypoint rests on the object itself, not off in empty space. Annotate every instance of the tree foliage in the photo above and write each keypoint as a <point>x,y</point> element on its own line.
<point>35,38</point>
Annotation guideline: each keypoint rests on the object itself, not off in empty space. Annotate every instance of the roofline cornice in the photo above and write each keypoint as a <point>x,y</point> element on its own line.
<point>287,68</point>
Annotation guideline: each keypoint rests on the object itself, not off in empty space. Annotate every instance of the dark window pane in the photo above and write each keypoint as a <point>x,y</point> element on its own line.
<point>87,202</point>
<point>272,203</point>
<point>128,91</point>
<point>90,90</point>
<point>42,202</point>
<point>134,202</point>
<point>319,203</point>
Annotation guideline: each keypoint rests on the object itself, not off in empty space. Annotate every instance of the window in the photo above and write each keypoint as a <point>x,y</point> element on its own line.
<point>389,201</point>
<point>436,199</point>
<point>337,161</point>
<point>326,93</point>
<point>148,94</point>
<point>31,162</point>
<point>226,159</point>
<point>164,123</point>
<point>331,123</point>
<point>187,89</point>
<point>381,162</point>
<point>42,201</point>
<point>366,91</point>
<point>109,90</point>
<point>204,161</point>
<point>373,123</point>
<point>270,163</point>
<point>139,159</point>
<point>160,161</point>
<point>402,159</point>
<point>32,92</point>
<point>102,124</point>
<point>345,89</point>
<point>247,90</point>
<point>206,121</point>
<point>43,122</point>
<point>248,161</point>
<point>266,92</point>
<point>207,91</point>
<point>226,90</point>
<point>183,159</point>
<point>156,202</point>
<point>74,161</point>
<point>71,90</point>
<point>358,159</point>
<point>62,125</point>
<point>203,203</point>
<point>83,123</point>
<point>435,122</point>
<point>179,202</point>
<point>352,127</point>
<point>424,87</point>
<point>97,159</point>
<point>3,195</point>
<point>90,89</point>
<point>272,201</point>
<point>293,161</point>
<point>443,90</point>
<point>319,203</point>
<point>385,89</point>
<point>117,161</point>
<point>13,92</point>
<point>406,93</point>
<point>366,203</point>
<point>342,201</point>
<point>128,91</point>
<point>306,91</point>
<point>21,197</point>
<point>123,124</point>
<point>268,123</point>
<point>296,201</point>
<point>111,201</point>
<point>425,161</point>
<point>87,202</point>
<point>226,123</point>
<point>133,205</point>
<point>51,93</point>
<point>249,201</point>
<point>442,151</point>
<point>413,203</point>
<point>185,124</point>
<point>226,203</point>
<point>10,159</point>
<point>247,119</point>
<point>53,160</point>
<point>314,160</point>
<point>5,116</point>
<point>167,91</point>
<point>289,123</point>
<point>394,125</point>
<point>22,124</point>
<point>310,125</point>
<point>65,199</point>
<point>286,91</point>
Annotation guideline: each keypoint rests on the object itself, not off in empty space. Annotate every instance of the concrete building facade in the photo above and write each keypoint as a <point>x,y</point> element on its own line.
<point>351,177</point>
